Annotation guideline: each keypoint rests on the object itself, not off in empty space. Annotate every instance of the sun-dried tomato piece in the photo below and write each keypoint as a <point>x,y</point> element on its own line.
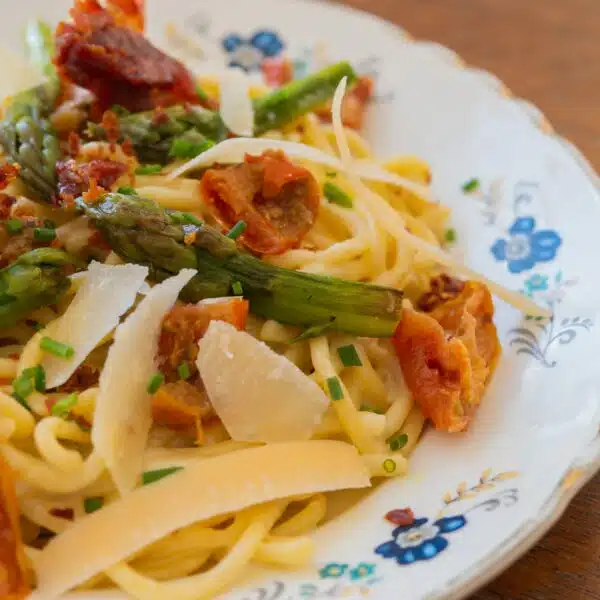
<point>118,64</point>
<point>14,583</point>
<point>355,104</point>
<point>277,200</point>
<point>448,355</point>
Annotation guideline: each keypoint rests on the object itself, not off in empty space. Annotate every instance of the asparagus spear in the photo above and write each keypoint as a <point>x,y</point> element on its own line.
<point>297,98</point>
<point>25,132</point>
<point>156,137</point>
<point>139,231</point>
<point>37,278</point>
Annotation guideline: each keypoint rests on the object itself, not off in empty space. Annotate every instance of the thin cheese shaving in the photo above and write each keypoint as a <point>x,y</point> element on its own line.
<point>236,106</point>
<point>123,407</point>
<point>105,294</point>
<point>259,395</point>
<point>393,221</point>
<point>202,490</point>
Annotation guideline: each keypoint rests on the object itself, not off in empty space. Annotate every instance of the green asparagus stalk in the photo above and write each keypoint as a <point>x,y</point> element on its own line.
<point>25,132</point>
<point>157,137</point>
<point>297,98</point>
<point>139,231</point>
<point>37,278</point>
<point>186,132</point>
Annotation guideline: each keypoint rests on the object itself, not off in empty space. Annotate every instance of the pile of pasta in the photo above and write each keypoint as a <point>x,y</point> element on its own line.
<point>108,499</point>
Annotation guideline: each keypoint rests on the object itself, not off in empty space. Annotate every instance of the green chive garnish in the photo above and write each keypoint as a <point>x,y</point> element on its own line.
<point>191,219</point>
<point>92,504</point>
<point>184,371</point>
<point>389,465</point>
<point>127,191</point>
<point>471,185</point>
<point>336,195</point>
<point>398,441</point>
<point>155,382</point>
<point>152,476</point>
<point>49,224</point>
<point>23,385</point>
<point>313,332</point>
<point>14,226</point>
<point>57,348</point>
<point>148,170</point>
<point>349,356</point>
<point>182,148</point>
<point>44,234</point>
<point>369,408</point>
<point>202,95</point>
<point>237,230</point>
<point>332,174</point>
<point>335,388</point>
<point>237,288</point>
<point>39,378</point>
<point>450,235</point>
<point>63,407</point>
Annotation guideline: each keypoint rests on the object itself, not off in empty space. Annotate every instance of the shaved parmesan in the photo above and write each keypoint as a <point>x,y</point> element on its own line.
<point>105,294</point>
<point>202,490</point>
<point>236,106</point>
<point>259,395</point>
<point>123,413</point>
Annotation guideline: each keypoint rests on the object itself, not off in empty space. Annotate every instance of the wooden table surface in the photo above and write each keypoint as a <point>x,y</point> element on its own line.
<point>547,51</point>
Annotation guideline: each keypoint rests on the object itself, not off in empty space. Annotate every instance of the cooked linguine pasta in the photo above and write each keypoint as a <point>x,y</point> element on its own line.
<point>217,306</point>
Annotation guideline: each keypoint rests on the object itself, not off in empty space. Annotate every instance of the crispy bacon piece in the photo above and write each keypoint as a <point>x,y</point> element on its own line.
<point>74,179</point>
<point>355,104</point>
<point>6,203</point>
<point>184,325</point>
<point>277,200</point>
<point>14,583</point>
<point>118,64</point>
<point>448,355</point>
<point>8,172</point>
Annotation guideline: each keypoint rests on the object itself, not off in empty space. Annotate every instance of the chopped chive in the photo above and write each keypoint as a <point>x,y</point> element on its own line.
<point>127,191</point>
<point>23,385</point>
<point>39,378</point>
<point>182,148</point>
<point>336,195</point>
<point>202,95</point>
<point>450,235</point>
<point>119,110</point>
<point>313,332</point>
<point>37,326</point>
<point>57,348</point>
<point>332,174</point>
<point>92,504</point>
<point>389,465</point>
<point>237,288</point>
<point>184,371</point>
<point>335,388</point>
<point>397,442</point>
<point>184,218</point>
<point>63,407</point>
<point>43,234</point>
<point>155,382</point>
<point>21,401</point>
<point>471,185</point>
<point>369,408</point>
<point>148,170</point>
<point>237,230</point>
<point>349,356</point>
<point>152,476</point>
<point>14,226</point>
<point>49,224</point>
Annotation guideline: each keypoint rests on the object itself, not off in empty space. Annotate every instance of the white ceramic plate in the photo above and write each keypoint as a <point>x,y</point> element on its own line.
<point>482,498</point>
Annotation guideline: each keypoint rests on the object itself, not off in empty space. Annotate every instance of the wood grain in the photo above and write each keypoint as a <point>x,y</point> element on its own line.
<point>547,51</point>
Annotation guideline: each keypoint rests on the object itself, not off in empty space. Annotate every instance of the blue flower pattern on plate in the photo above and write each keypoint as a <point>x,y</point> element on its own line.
<point>249,53</point>
<point>421,540</point>
<point>333,570</point>
<point>526,246</point>
<point>535,283</point>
